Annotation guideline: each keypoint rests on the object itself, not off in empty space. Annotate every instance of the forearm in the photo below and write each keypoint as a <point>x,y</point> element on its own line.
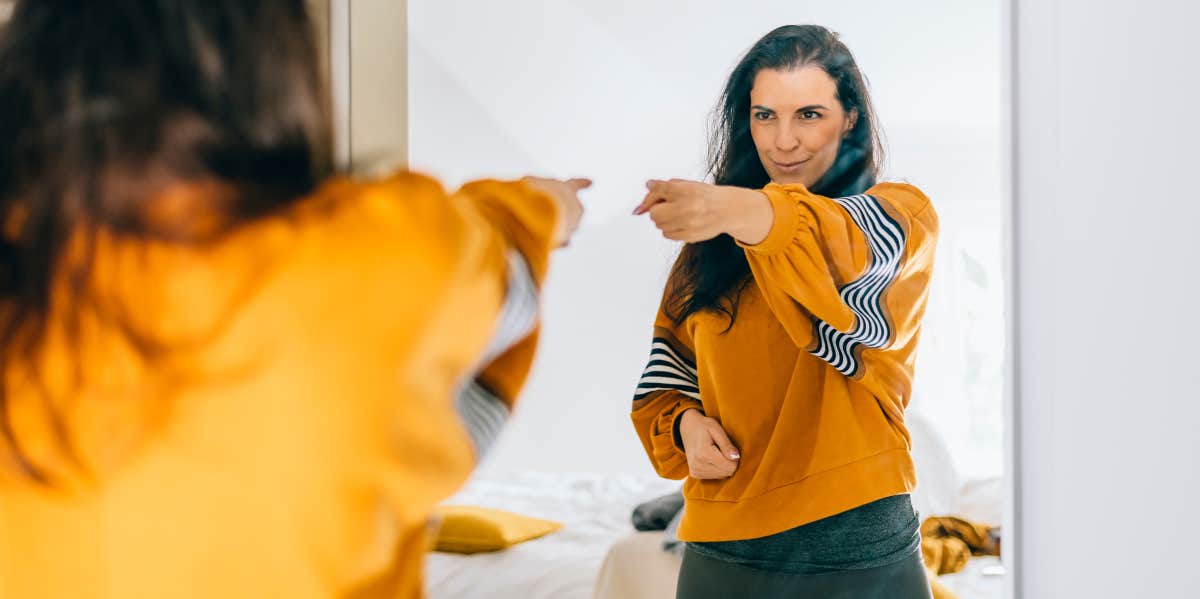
<point>681,422</point>
<point>749,215</point>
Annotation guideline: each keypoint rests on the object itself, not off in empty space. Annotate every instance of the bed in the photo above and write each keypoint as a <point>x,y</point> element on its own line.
<point>598,555</point>
<point>595,511</point>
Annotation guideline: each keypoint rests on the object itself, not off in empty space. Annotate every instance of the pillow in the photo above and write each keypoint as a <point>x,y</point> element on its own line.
<point>937,479</point>
<point>470,529</point>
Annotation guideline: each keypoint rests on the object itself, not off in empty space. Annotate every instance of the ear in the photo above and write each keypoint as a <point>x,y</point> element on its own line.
<point>851,121</point>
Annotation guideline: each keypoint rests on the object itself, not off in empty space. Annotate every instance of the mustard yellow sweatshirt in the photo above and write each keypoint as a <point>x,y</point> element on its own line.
<point>333,373</point>
<point>812,381</point>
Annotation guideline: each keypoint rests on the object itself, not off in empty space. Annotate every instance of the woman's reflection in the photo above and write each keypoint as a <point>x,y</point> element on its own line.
<point>783,351</point>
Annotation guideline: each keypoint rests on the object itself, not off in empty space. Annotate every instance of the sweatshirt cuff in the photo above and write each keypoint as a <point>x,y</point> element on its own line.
<point>527,217</point>
<point>669,426</point>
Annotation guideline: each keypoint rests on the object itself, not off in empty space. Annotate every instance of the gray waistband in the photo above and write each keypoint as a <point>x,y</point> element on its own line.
<point>872,535</point>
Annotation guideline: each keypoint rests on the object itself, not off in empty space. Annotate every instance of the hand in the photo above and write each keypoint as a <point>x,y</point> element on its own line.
<point>693,212</point>
<point>710,453</point>
<point>566,195</point>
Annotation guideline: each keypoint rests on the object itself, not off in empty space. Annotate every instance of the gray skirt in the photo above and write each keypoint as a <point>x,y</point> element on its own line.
<point>873,551</point>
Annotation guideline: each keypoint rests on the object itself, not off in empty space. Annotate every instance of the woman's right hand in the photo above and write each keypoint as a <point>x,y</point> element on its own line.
<point>710,453</point>
<point>566,194</point>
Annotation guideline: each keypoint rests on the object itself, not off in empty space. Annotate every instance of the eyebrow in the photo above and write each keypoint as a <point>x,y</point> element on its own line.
<point>804,109</point>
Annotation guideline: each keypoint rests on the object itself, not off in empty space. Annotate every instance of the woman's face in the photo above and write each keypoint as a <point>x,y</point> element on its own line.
<point>797,123</point>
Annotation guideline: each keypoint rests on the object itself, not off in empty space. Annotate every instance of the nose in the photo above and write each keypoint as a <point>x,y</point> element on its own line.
<point>786,140</point>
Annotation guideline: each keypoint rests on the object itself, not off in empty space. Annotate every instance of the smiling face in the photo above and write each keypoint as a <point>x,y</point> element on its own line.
<point>798,123</point>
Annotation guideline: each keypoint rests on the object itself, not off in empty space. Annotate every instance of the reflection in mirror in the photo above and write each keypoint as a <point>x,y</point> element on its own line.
<point>625,93</point>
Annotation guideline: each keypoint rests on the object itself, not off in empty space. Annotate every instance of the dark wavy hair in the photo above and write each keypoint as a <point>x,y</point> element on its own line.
<point>711,275</point>
<point>104,105</point>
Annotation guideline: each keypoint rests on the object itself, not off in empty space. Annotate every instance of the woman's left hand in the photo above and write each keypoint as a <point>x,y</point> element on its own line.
<point>692,211</point>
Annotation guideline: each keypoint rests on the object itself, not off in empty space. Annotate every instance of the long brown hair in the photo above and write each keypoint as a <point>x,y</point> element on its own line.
<point>105,104</point>
<point>711,275</point>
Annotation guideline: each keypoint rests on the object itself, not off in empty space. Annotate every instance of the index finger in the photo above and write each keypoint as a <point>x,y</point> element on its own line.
<point>579,183</point>
<point>724,444</point>
<point>649,201</point>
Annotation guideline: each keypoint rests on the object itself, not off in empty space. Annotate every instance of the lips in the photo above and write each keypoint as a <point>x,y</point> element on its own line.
<point>789,165</point>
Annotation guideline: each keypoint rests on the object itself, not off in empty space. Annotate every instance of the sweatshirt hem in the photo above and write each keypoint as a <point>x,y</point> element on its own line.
<point>801,502</point>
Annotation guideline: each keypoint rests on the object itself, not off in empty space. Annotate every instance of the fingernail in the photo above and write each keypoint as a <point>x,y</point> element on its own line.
<point>735,456</point>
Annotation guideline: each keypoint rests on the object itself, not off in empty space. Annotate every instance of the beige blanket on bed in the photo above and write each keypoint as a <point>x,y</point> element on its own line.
<point>636,567</point>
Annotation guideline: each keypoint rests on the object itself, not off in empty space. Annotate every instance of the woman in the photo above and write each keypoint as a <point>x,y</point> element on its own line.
<point>783,352</point>
<point>225,374</point>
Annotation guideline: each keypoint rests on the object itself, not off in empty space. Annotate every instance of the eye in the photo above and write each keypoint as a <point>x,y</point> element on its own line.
<point>762,115</point>
<point>810,115</point>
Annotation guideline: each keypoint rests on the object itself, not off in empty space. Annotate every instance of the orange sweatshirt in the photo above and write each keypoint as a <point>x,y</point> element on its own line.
<point>331,374</point>
<point>812,381</point>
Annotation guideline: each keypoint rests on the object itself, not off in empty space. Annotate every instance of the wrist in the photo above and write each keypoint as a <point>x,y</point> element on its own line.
<point>688,416</point>
<point>749,215</point>
<point>680,418</point>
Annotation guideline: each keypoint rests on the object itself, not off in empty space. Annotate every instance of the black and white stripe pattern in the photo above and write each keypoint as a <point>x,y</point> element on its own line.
<point>519,314</point>
<point>482,412</point>
<point>668,370</point>
<point>864,296</point>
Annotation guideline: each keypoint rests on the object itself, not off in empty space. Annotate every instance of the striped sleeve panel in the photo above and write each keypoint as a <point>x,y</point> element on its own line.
<point>518,317</point>
<point>671,367</point>
<point>864,295</point>
<point>483,413</point>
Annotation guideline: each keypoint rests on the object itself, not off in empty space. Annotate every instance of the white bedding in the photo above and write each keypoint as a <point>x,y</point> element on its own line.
<point>595,511</point>
<point>977,581</point>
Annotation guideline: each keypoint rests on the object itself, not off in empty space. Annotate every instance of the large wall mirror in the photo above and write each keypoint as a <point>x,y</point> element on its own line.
<point>624,92</point>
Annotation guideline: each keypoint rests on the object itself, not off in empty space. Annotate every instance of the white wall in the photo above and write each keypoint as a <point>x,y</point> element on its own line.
<point>1106,256</point>
<point>620,90</point>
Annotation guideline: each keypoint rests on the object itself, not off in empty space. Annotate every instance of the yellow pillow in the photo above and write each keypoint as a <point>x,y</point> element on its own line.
<point>470,529</point>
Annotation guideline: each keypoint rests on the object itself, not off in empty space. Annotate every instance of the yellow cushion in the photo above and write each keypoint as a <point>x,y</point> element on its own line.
<point>470,529</point>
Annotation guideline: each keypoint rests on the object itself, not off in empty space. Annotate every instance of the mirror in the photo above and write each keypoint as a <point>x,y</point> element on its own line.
<point>624,92</point>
